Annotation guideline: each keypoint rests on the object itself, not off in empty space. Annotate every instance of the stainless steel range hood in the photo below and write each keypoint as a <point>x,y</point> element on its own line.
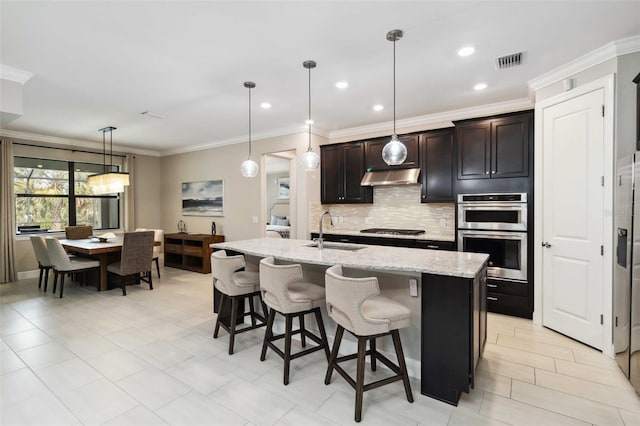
<point>391,177</point>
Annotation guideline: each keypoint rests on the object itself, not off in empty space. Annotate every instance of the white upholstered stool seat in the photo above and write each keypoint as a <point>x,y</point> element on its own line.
<point>285,292</point>
<point>235,284</point>
<point>356,305</point>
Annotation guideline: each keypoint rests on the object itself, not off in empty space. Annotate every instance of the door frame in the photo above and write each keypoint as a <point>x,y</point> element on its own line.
<point>290,155</point>
<point>608,84</point>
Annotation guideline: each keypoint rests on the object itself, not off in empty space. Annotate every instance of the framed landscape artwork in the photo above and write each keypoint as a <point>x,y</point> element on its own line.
<point>205,198</point>
<point>283,188</point>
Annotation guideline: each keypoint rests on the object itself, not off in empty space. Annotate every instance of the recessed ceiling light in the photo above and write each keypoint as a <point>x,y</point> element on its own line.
<point>342,85</point>
<point>480,86</point>
<point>378,107</point>
<point>307,122</point>
<point>265,105</point>
<point>466,51</point>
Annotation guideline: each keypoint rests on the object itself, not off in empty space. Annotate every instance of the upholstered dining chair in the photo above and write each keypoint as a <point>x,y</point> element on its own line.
<point>355,305</point>
<point>135,259</point>
<point>63,264</point>
<point>78,232</point>
<point>158,237</point>
<point>42,256</point>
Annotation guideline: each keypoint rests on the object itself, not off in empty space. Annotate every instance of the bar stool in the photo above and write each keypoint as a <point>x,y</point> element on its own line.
<point>285,292</point>
<point>235,284</point>
<point>356,305</point>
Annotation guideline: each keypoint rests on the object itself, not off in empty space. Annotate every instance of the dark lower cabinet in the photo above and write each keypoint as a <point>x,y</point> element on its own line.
<point>437,171</point>
<point>454,320</point>
<point>509,298</point>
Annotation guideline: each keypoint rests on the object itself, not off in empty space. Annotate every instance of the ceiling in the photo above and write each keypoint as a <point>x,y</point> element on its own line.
<point>103,63</point>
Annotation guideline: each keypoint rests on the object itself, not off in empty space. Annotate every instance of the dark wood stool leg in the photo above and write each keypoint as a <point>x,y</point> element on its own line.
<point>287,346</point>
<point>334,354</point>
<point>252,312</point>
<point>265,310</point>
<point>268,334</point>
<point>372,347</point>
<point>217,327</point>
<point>403,366</point>
<point>232,328</point>
<point>362,349</point>
<point>323,334</point>
<point>303,338</point>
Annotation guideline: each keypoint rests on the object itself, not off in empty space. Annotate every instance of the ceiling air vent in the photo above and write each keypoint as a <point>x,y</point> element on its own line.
<point>508,61</point>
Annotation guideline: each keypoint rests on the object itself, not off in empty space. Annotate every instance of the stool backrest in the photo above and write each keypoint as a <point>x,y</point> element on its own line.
<point>274,285</point>
<point>40,248</point>
<point>223,267</point>
<point>59,258</point>
<point>137,252</point>
<point>345,296</point>
<point>78,232</point>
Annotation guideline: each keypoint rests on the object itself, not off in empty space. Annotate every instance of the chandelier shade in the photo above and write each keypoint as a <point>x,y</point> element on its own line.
<point>108,182</point>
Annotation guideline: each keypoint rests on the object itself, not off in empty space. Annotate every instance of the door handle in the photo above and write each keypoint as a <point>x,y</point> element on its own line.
<point>546,244</point>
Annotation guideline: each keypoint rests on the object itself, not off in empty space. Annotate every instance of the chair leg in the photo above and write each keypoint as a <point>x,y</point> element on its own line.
<point>372,347</point>
<point>123,283</point>
<point>232,328</point>
<point>287,347</point>
<point>46,278</point>
<point>252,312</point>
<point>62,284</point>
<point>402,364</point>
<point>362,349</point>
<point>323,334</point>
<point>151,281</point>
<point>268,334</point>
<point>334,354</point>
<point>55,281</point>
<point>157,267</point>
<point>217,327</point>
<point>40,279</point>
<point>303,338</point>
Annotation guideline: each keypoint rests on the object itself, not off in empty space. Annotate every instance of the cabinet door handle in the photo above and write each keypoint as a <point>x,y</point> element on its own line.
<point>432,246</point>
<point>487,172</point>
<point>493,172</point>
<point>493,299</point>
<point>424,196</point>
<point>492,285</point>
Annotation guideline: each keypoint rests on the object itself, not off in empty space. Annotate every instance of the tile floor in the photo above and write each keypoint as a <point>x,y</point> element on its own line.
<point>148,358</point>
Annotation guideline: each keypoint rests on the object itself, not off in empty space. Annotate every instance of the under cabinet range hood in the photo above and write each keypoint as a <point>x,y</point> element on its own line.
<point>391,177</point>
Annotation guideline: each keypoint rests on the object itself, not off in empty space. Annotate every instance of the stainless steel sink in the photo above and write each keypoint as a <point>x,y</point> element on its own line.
<point>337,246</point>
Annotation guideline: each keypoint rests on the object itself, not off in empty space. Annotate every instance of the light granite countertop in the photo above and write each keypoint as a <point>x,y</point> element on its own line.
<point>425,236</point>
<point>368,257</point>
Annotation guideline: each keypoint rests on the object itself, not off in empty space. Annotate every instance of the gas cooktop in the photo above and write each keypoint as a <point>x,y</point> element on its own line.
<point>392,231</point>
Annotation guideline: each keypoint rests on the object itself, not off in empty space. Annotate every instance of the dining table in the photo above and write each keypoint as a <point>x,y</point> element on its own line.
<point>106,252</point>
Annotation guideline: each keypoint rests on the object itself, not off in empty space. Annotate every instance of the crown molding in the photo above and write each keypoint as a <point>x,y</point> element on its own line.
<point>447,116</point>
<point>242,139</point>
<point>602,54</point>
<point>55,140</point>
<point>14,74</point>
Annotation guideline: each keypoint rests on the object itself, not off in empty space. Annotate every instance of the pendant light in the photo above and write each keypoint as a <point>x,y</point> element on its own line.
<point>310,160</point>
<point>249,168</point>
<point>394,152</point>
<point>108,182</point>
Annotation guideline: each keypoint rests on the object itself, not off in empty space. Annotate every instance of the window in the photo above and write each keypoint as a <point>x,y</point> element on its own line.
<point>52,194</point>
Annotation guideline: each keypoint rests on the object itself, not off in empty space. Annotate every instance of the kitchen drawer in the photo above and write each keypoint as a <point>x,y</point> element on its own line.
<point>435,245</point>
<point>508,304</point>
<point>508,287</point>
<point>173,248</point>
<point>337,238</point>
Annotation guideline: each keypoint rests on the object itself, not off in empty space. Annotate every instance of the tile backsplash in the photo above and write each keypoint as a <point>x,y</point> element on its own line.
<point>393,207</point>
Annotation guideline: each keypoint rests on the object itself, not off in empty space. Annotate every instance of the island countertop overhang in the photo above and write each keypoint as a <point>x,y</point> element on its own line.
<point>369,257</point>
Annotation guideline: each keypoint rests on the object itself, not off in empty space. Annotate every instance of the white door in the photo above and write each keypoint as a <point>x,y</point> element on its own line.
<point>572,263</point>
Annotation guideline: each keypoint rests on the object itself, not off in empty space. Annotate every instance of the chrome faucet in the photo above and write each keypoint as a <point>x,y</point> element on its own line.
<point>320,240</point>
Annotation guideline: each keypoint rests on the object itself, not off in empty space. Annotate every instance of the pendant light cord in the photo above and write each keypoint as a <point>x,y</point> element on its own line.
<point>394,87</point>
<point>249,122</point>
<point>110,150</point>
<point>104,154</point>
<point>309,148</point>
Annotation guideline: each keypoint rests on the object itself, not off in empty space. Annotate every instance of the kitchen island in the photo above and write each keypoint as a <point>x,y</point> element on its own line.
<point>452,304</point>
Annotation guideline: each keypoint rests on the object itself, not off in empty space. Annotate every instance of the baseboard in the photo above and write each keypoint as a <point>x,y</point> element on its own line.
<point>28,274</point>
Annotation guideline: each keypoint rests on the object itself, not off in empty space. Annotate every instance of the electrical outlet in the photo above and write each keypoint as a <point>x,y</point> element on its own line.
<point>413,287</point>
<point>254,219</point>
<point>443,222</point>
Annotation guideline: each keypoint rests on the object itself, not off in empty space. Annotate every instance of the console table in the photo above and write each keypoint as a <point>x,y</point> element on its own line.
<point>190,251</point>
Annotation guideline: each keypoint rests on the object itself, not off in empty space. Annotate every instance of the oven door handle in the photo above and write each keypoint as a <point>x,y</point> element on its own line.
<point>493,207</point>
<point>510,236</point>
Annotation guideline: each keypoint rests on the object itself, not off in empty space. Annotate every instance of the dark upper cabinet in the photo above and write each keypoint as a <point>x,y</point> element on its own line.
<point>373,153</point>
<point>437,172</point>
<point>494,148</point>
<point>342,169</point>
